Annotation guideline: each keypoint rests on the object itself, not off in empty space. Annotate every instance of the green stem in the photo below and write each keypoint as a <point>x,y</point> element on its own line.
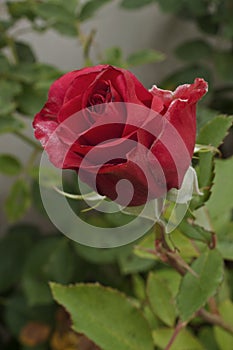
<point>167,255</point>
<point>31,160</point>
<point>28,140</point>
<point>11,44</point>
<point>86,42</point>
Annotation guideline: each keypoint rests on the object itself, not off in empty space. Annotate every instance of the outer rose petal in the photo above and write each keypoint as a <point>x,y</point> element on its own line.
<point>174,151</point>
<point>45,122</point>
<point>57,93</point>
<point>191,92</point>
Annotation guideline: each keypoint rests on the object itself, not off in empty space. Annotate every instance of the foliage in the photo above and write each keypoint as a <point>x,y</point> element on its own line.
<point>204,55</point>
<point>143,295</point>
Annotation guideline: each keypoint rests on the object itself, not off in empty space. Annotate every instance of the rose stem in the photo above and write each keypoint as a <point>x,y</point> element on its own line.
<point>179,327</point>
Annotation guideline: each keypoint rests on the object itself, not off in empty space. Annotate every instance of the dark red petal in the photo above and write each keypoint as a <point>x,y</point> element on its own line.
<point>84,78</point>
<point>71,108</point>
<point>108,177</point>
<point>174,148</point>
<point>58,90</point>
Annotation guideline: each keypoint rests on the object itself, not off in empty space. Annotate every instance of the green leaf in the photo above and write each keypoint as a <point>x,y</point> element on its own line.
<point>195,232</point>
<point>222,191</point>
<point>146,245</point>
<point>4,64</point>
<point>105,315</point>
<point>197,8</point>
<point>27,229</point>
<point>205,172</point>
<point>220,221</point>
<point>131,263</point>
<point>215,131</point>
<point>54,12</point>
<point>150,317</point>
<point>134,4</point>
<point>171,278</point>
<point>161,300</point>
<point>138,283</point>
<point>23,72</point>
<point>100,255</point>
<point>208,24</point>
<point>194,50</point>
<point>89,8</point>
<point>20,9</point>
<point>145,248</point>
<point>225,246</point>
<point>173,6</point>
<point>223,338</point>
<point>220,206</point>
<point>45,72</point>
<point>114,56</point>
<point>30,106</point>
<point>70,6</point>
<point>144,56</point>
<point>183,244</point>
<point>51,259</point>
<point>206,336</point>
<point>204,115</point>
<point>196,290</point>
<point>3,41</point>
<point>223,63</point>
<point>8,90</point>
<point>228,29</point>
<point>185,340</point>
<point>10,124</point>
<point>18,200</point>
<point>30,73</point>
<point>12,258</point>
<point>9,165</point>
<point>7,107</point>
<point>24,52</point>
<point>212,134</point>
<point>5,24</point>
<point>66,28</point>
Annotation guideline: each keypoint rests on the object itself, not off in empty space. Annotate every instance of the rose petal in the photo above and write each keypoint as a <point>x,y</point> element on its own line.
<point>191,92</point>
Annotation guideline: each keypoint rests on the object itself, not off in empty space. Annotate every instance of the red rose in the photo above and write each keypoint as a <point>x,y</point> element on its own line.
<point>102,122</point>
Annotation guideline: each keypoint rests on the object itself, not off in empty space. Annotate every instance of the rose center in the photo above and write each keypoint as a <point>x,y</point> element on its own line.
<point>101,94</point>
